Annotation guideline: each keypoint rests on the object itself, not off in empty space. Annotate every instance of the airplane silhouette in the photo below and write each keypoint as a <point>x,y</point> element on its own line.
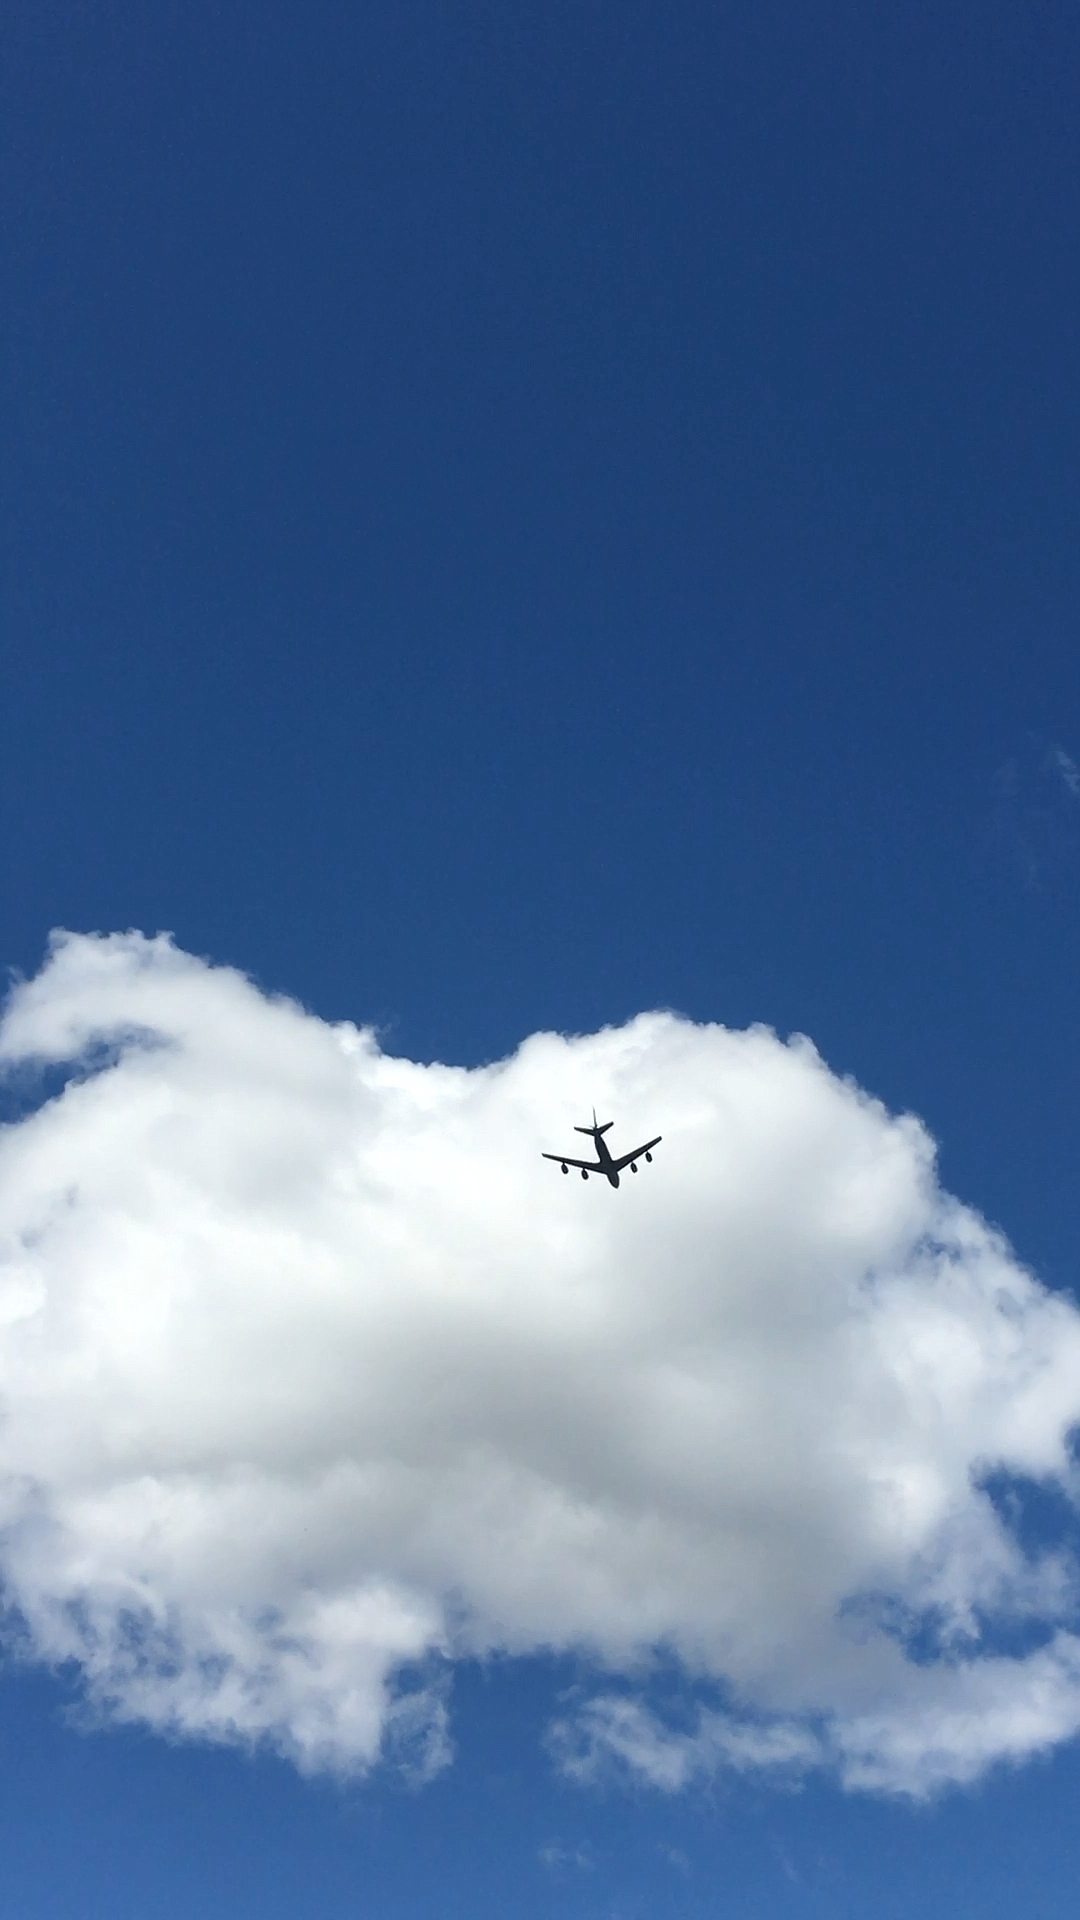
<point>604,1163</point>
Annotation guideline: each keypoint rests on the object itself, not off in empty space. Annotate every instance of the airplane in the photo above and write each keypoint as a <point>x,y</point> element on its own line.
<point>604,1163</point>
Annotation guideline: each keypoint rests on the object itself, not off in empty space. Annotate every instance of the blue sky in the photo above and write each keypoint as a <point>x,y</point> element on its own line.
<point>517,517</point>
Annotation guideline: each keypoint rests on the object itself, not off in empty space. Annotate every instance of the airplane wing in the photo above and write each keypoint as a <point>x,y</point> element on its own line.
<point>564,1160</point>
<point>618,1165</point>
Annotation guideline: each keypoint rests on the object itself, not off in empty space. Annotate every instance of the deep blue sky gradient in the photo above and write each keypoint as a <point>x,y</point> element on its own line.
<point>517,514</point>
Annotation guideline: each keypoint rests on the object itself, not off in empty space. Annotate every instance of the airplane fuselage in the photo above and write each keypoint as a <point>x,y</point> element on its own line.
<point>604,1158</point>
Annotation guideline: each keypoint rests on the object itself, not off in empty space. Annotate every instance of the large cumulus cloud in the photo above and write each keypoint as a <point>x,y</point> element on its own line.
<point>316,1377</point>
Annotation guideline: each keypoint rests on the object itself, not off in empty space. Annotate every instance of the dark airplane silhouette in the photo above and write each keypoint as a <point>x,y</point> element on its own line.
<point>604,1163</point>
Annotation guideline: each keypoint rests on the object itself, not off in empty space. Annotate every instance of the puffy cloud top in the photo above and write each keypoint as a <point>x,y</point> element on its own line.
<point>316,1377</point>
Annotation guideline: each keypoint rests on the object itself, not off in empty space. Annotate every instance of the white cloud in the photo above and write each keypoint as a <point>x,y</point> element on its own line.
<point>317,1377</point>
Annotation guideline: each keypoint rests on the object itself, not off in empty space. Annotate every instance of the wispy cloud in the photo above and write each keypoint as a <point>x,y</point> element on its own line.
<point>1067,770</point>
<point>316,1377</point>
<point>620,1730</point>
<point>562,1859</point>
<point>1036,816</point>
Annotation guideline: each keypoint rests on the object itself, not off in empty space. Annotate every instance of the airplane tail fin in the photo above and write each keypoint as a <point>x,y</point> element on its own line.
<point>594,1130</point>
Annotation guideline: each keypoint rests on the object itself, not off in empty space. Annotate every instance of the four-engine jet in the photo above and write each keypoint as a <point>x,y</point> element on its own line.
<point>604,1163</point>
